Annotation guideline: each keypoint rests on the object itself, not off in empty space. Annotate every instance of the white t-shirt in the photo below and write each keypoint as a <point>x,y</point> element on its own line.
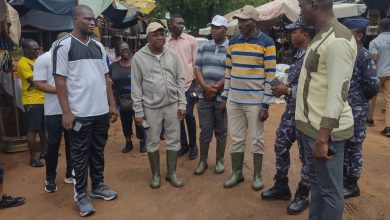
<point>43,72</point>
<point>84,66</point>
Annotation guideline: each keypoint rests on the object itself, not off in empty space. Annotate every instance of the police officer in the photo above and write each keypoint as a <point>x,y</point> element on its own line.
<point>286,134</point>
<point>364,85</point>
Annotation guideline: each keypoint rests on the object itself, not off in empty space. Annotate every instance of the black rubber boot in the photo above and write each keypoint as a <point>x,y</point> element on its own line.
<point>204,151</point>
<point>237,176</point>
<point>280,191</point>
<point>171,169</point>
<point>351,188</point>
<point>220,152</point>
<point>301,200</point>
<point>154,160</point>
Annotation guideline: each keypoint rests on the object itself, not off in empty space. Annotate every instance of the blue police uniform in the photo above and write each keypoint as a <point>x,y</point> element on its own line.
<point>364,85</point>
<point>286,134</point>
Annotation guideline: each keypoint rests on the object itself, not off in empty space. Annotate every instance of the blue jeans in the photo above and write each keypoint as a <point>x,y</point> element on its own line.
<point>327,197</point>
<point>189,119</point>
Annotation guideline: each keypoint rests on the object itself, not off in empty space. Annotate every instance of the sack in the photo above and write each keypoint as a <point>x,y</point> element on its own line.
<point>125,102</point>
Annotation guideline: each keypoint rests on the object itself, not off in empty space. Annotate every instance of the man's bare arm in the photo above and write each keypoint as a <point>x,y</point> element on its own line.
<point>43,86</point>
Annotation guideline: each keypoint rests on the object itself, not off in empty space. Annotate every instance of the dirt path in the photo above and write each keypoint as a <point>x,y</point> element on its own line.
<point>203,197</point>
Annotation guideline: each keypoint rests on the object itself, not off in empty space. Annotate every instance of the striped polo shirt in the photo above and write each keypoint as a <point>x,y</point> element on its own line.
<point>251,66</point>
<point>211,60</point>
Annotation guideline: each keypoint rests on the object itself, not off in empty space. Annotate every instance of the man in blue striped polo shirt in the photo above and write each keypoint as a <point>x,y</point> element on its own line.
<point>251,62</point>
<point>210,68</point>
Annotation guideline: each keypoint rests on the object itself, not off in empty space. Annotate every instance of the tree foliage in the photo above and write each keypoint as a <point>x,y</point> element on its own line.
<point>198,13</point>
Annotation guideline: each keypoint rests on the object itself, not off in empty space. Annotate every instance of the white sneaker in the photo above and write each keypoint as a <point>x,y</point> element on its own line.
<point>69,180</point>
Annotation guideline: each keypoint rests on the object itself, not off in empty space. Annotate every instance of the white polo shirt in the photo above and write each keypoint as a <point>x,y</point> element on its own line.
<point>84,66</point>
<point>43,72</point>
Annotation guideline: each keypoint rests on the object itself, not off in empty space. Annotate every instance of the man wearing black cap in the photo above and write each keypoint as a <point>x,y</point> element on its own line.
<point>286,134</point>
<point>364,85</point>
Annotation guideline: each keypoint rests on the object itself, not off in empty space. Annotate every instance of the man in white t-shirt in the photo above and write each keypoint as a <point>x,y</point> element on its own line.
<point>87,102</point>
<point>44,81</point>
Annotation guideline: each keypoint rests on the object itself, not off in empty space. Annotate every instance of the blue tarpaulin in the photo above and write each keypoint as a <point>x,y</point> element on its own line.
<point>59,7</point>
<point>47,21</point>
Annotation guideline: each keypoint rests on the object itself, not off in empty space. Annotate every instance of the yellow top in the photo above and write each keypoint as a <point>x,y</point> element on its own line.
<point>30,95</point>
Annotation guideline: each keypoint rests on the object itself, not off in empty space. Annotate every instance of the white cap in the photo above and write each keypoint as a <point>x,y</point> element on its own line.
<point>219,20</point>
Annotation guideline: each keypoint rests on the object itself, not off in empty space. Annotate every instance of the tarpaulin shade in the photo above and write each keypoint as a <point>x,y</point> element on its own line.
<point>143,6</point>
<point>97,6</point>
<point>47,21</point>
<point>377,4</point>
<point>60,7</point>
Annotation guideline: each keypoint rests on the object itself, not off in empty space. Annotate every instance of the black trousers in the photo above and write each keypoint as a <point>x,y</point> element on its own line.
<point>54,131</point>
<point>127,125</point>
<point>87,150</point>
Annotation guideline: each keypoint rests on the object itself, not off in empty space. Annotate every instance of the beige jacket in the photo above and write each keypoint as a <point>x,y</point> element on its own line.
<point>156,83</point>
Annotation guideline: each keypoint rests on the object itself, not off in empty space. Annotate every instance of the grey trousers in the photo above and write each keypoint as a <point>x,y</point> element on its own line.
<point>211,119</point>
<point>327,197</point>
<point>155,118</point>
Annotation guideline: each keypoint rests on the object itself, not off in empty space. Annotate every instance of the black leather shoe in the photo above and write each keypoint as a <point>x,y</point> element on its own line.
<point>36,163</point>
<point>8,201</point>
<point>193,153</point>
<point>301,200</point>
<point>128,147</point>
<point>183,150</point>
<point>280,191</point>
<point>351,188</point>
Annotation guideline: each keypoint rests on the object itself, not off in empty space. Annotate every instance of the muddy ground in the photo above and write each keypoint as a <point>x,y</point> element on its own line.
<point>202,197</point>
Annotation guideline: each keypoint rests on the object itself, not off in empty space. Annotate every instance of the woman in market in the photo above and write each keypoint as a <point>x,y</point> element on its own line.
<point>120,72</point>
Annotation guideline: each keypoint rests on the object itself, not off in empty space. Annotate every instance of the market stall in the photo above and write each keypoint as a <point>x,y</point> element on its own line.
<point>275,11</point>
<point>12,134</point>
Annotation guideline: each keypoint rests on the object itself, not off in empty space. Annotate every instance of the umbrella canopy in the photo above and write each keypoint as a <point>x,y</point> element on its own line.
<point>143,6</point>
<point>274,10</point>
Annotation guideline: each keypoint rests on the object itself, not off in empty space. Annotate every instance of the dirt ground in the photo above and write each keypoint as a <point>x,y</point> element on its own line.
<point>202,197</point>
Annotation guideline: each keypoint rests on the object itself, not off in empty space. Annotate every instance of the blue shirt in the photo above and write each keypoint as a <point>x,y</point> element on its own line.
<point>211,60</point>
<point>381,47</point>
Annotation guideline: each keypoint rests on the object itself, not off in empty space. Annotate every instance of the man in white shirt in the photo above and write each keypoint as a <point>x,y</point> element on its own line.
<point>84,90</point>
<point>44,81</point>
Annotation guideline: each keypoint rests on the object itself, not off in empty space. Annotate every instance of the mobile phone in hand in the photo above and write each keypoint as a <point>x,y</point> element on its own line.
<point>331,152</point>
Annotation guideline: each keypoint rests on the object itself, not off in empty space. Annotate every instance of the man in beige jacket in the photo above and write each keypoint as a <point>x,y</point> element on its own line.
<point>157,91</point>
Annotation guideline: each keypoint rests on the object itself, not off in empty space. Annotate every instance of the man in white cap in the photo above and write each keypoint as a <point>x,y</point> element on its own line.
<point>210,68</point>
<point>251,60</point>
<point>157,91</point>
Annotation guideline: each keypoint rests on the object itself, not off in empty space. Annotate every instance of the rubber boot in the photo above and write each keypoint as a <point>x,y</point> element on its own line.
<point>257,183</point>
<point>171,169</point>
<point>204,151</point>
<point>280,191</point>
<point>154,160</point>
<point>351,188</point>
<point>220,152</point>
<point>237,176</point>
<point>301,199</point>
